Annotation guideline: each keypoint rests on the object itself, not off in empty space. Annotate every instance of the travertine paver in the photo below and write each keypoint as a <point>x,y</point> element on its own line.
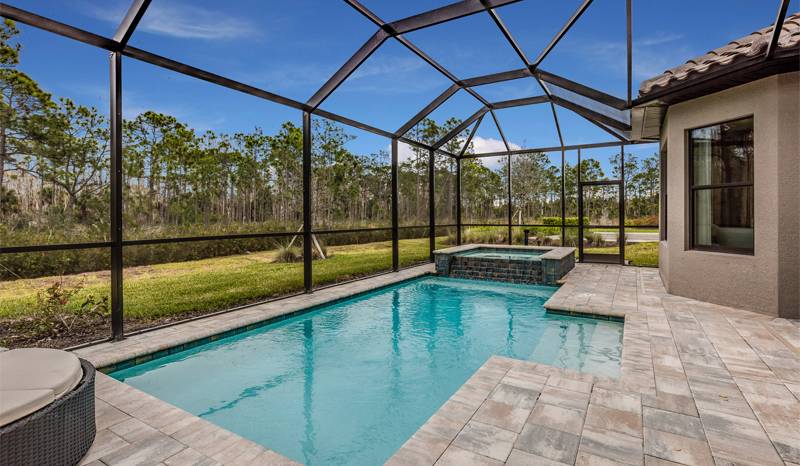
<point>700,384</point>
<point>136,429</point>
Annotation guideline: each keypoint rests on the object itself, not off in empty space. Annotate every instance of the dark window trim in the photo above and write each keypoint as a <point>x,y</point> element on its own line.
<point>691,189</point>
<point>724,250</point>
<point>738,184</point>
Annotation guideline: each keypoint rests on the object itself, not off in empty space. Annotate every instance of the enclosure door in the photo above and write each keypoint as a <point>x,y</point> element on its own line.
<point>601,226</point>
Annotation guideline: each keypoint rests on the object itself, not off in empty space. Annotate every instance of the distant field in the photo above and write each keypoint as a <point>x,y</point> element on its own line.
<point>219,283</point>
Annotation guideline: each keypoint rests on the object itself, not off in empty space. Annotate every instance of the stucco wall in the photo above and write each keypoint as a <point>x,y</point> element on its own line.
<point>769,280</point>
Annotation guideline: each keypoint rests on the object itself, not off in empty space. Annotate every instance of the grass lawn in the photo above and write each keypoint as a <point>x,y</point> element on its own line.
<point>637,253</point>
<point>219,283</point>
<point>627,230</point>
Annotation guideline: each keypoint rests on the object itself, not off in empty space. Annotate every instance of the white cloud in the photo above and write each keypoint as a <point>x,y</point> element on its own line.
<point>394,74</point>
<point>658,37</point>
<point>383,65</point>
<point>404,151</point>
<point>190,22</point>
<point>653,54</point>
<point>482,146</point>
<point>186,21</point>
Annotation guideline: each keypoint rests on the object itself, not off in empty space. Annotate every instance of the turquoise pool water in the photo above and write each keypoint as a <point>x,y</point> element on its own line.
<point>349,384</point>
<point>526,255</point>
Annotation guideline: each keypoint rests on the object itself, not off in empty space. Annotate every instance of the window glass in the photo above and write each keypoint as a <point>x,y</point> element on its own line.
<point>724,217</point>
<point>722,188</point>
<point>723,153</point>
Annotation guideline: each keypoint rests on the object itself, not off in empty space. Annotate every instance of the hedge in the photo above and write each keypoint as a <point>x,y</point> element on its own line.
<point>567,221</point>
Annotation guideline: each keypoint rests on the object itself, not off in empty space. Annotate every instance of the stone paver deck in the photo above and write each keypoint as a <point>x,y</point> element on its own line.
<point>136,429</point>
<point>700,384</point>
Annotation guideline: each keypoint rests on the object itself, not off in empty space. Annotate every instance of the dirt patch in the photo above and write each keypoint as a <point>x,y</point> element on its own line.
<point>82,332</point>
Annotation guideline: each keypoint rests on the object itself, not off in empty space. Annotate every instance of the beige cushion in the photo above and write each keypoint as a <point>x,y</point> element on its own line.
<point>16,404</point>
<point>39,369</point>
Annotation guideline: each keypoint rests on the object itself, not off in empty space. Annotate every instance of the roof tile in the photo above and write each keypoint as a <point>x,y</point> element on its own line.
<point>739,50</point>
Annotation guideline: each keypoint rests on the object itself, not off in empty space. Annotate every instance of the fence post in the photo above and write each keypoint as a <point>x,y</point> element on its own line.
<point>395,229</point>
<point>622,205</point>
<point>563,202</point>
<point>307,259</point>
<point>458,202</point>
<point>510,212</point>
<point>432,201</point>
<point>117,316</point>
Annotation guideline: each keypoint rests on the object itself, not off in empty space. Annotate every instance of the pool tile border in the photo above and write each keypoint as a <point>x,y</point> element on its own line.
<point>585,315</point>
<point>147,357</point>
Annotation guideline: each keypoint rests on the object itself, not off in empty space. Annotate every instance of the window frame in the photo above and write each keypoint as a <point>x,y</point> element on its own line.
<point>691,189</point>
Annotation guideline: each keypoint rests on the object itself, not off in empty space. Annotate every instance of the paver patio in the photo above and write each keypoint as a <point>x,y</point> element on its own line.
<point>700,384</point>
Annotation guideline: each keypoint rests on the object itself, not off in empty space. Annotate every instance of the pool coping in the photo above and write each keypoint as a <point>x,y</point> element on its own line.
<point>553,252</point>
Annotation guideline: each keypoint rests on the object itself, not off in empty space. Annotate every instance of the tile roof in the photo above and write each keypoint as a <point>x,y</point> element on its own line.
<point>737,51</point>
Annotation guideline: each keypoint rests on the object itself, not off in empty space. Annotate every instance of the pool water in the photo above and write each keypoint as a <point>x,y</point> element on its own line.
<point>349,384</point>
<point>527,255</point>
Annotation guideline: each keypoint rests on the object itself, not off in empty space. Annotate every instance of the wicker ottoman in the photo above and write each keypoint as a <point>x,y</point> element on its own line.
<point>59,434</point>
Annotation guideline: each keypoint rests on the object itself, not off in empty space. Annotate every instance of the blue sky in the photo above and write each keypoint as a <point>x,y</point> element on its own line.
<point>292,48</point>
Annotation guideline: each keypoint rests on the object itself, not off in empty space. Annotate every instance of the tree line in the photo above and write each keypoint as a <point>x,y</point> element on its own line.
<point>55,180</point>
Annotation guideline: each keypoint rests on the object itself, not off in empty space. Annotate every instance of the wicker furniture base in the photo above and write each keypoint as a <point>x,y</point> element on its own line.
<point>59,434</point>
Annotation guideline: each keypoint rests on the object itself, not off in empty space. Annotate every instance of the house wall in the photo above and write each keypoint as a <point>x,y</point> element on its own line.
<point>769,280</point>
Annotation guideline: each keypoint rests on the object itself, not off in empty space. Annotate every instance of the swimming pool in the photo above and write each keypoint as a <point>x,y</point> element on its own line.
<point>349,384</point>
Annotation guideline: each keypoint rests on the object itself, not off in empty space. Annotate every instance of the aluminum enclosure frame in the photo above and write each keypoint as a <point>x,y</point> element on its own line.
<point>118,47</point>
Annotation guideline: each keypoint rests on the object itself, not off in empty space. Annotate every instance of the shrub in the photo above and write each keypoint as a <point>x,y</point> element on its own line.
<point>485,235</point>
<point>53,313</point>
<point>315,252</point>
<point>642,222</point>
<point>286,253</point>
<point>547,241</point>
<point>518,235</point>
<point>571,238</point>
<point>567,220</point>
<point>597,239</point>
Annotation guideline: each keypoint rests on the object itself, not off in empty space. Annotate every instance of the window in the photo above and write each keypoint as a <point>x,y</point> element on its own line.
<point>721,170</point>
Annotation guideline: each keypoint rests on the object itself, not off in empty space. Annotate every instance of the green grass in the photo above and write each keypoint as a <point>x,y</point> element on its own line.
<point>627,230</point>
<point>220,283</point>
<point>637,253</point>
